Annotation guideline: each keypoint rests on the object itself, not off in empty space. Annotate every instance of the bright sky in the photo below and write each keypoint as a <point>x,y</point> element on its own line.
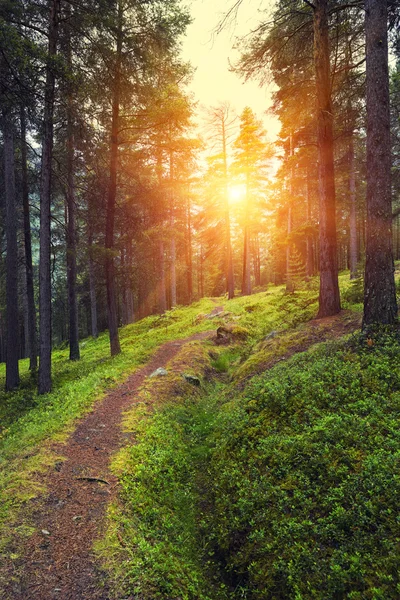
<point>210,54</point>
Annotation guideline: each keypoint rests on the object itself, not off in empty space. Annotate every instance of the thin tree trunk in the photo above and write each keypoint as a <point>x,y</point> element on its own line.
<point>246,283</point>
<point>256,260</point>
<point>30,294</point>
<point>124,287</point>
<point>45,208</point>
<point>162,291</point>
<point>201,272</point>
<point>353,253</point>
<point>230,283</point>
<point>173,241</point>
<point>129,291</point>
<point>173,267</point>
<point>310,249</point>
<point>189,261</point>
<point>112,193</point>
<point>92,291</point>
<point>329,298</point>
<point>289,283</point>
<point>12,355</point>
<point>380,304</point>
<point>74,353</point>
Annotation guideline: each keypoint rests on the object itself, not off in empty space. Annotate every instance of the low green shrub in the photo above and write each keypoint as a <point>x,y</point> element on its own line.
<point>305,477</point>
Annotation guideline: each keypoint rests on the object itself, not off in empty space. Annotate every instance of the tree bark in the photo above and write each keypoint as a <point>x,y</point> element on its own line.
<point>162,292</point>
<point>230,283</point>
<point>353,249</point>
<point>329,298</point>
<point>74,353</point>
<point>31,310</point>
<point>189,254</point>
<point>130,312</point>
<point>310,249</point>
<point>246,283</point>
<point>92,291</point>
<point>172,270</point>
<point>12,353</point>
<point>173,266</point>
<point>380,306</point>
<point>45,208</point>
<point>112,192</point>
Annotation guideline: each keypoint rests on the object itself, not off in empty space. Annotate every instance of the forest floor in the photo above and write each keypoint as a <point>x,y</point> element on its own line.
<point>57,561</point>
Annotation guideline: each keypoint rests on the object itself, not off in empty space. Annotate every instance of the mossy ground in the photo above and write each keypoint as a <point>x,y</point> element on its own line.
<point>180,528</point>
<point>196,492</point>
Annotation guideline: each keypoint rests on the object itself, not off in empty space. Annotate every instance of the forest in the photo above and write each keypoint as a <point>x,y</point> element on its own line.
<point>199,337</point>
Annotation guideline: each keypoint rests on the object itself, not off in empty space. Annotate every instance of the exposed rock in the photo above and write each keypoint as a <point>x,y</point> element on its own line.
<point>159,372</point>
<point>192,379</point>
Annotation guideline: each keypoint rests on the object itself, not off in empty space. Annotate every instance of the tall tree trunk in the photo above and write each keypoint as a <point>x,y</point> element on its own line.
<point>256,260</point>
<point>246,282</point>
<point>112,193</point>
<point>45,207</point>
<point>329,298</point>
<point>92,291</point>
<point>353,250</point>
<point>289,283</point>
<point>74,353</point>
<point>172,268</point>
<point>31,310</point>
<point>230,283</point>
<point>162,290</point>
<point>12,355</point>
<point>201,272</point>
<point>310,249</point>
<point>162,287</point>
<point>189,254</point>
<point>380,304</point>
<point>130,313</point>
<point>124,287</point>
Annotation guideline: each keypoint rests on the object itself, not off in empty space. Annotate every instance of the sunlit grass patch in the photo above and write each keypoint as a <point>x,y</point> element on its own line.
<point>28,420</point>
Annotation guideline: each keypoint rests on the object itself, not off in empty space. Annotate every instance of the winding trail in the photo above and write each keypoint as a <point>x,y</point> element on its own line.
<point>58,561</point>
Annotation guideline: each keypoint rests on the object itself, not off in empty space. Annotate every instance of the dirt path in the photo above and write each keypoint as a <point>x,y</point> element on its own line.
<point>58,560</point>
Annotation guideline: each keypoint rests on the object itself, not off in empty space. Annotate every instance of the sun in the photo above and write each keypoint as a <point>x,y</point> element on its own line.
<point>236,193</point>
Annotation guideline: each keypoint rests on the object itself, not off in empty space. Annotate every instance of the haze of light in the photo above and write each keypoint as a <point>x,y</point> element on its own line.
<point>211,54</point>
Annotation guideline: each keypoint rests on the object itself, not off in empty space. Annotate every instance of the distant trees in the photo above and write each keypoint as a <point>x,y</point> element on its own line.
<point>101,179</point>
<point>284,47</point>
<point>220,123</point>
<point>250,160</point>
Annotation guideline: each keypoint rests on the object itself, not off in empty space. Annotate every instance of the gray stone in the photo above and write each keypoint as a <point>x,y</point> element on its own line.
<point>158,372</point>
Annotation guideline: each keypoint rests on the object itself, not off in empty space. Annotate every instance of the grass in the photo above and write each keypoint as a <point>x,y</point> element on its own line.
<point>170,518</point>
<point>269,490</point>
<point>31,423</point>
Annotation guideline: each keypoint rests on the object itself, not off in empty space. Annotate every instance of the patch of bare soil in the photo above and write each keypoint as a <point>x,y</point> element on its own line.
<point>57,560</point>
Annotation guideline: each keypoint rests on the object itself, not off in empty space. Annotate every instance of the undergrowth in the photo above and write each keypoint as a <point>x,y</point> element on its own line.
<point>283,487</point>
<point>285,490</point>
<point>257,488</point>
